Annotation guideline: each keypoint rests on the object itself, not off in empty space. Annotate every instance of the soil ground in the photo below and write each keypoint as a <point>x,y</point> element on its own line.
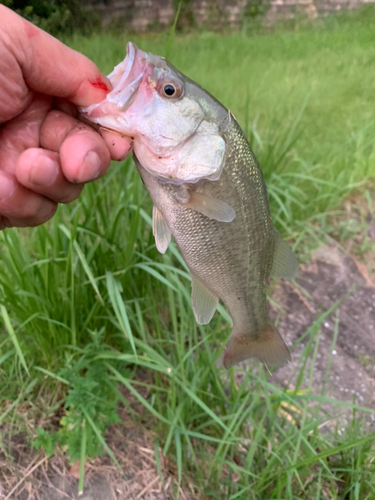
<point>333,277</point>
<point>29,475</point>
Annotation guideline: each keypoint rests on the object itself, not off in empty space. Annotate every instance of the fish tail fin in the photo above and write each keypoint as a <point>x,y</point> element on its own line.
<point>269,348</point>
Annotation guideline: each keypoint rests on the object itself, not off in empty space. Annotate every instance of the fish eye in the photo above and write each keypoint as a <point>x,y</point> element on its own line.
<point>170,89</point>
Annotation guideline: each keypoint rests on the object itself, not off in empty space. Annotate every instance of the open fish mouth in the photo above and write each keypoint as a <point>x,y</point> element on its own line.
<point>127,76</point>
<point>126,79</point>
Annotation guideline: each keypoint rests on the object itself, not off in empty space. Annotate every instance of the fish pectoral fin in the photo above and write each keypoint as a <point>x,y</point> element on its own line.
<point>285,264</point>
<point>211,207</point>
<point>160,230</point>
<point>203,301</point>
<point>268,347</point>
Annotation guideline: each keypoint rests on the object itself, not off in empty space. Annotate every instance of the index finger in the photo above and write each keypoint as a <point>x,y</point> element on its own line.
<point>50,67</point>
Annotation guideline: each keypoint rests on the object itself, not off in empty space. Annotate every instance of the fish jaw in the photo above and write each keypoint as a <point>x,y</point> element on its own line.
<point>173,138</point>
<point>125,78</point>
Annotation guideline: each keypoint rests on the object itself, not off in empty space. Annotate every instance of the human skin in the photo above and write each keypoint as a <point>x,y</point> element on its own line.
<point>46,153</point>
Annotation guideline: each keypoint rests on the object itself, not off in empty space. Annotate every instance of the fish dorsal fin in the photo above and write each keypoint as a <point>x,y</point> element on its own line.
<point>211,207</point>
<point>285,264</point>
<point>160,230</point>
<point>203,301</point>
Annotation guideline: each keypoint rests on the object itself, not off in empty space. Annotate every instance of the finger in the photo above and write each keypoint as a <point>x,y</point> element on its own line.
<point>66,107</point>
<point>118,146</point>
<point>84,156</point>
<point>50,67</point>
<point>4,223</point>
<point>22,132</point>
<point>21,207</point>
<point>40,171</point>
<point>58,125</point>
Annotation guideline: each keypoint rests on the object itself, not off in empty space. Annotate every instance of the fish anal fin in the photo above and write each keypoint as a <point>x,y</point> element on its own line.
<point>203,301</point>
<point>160,230</point>
<point>269,348</point>
<point>285,264</point>
<point>211,207</point>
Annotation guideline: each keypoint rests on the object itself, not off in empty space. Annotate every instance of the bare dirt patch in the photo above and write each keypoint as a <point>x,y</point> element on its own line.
<point>28,475</point>
<point>332,279</point>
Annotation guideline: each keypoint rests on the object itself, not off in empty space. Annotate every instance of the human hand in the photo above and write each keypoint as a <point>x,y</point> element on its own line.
<point>46,153</point>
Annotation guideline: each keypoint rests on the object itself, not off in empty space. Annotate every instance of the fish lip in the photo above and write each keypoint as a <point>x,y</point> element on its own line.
<point>129,61</point>
<point>125,97</point>
<point>125,78</point>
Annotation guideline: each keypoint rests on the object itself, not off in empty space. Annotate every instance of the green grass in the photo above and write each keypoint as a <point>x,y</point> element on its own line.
<point>87,303</point>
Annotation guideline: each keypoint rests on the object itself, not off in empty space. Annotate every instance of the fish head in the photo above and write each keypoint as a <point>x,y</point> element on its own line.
<point>171,120</point>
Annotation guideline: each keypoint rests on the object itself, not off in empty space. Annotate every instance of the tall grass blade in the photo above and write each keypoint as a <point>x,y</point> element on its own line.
<point>140,398</point>
<point>102,441</point>
<point>114,290</point>
<point>82,459</point>
<point>13,337</point>
<point>172,32</point>
<point>17,401</point>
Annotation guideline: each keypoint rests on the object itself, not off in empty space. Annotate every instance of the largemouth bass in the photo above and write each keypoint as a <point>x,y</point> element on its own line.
<point>208,192</point>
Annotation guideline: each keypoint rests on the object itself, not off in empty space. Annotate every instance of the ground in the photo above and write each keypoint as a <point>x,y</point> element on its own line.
<point>335,293</point>
<point>333,278</point>
<point>28,475</point>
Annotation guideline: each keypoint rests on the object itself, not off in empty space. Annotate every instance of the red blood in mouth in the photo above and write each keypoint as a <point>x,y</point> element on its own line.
<point>98,84</point>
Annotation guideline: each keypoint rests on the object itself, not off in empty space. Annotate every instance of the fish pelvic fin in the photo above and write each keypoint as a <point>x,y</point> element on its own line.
<point>160,230</point>
<point>269,348</point>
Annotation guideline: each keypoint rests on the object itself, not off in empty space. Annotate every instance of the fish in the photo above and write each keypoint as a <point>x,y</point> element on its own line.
<point>208,192</point>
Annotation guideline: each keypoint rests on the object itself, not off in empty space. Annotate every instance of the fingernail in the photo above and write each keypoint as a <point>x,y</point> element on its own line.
<point>6,187</point>
<point>44,171</point>
<point>90,168</point>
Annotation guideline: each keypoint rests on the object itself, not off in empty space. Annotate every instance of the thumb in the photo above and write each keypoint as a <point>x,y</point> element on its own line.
<point>50,67</point>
